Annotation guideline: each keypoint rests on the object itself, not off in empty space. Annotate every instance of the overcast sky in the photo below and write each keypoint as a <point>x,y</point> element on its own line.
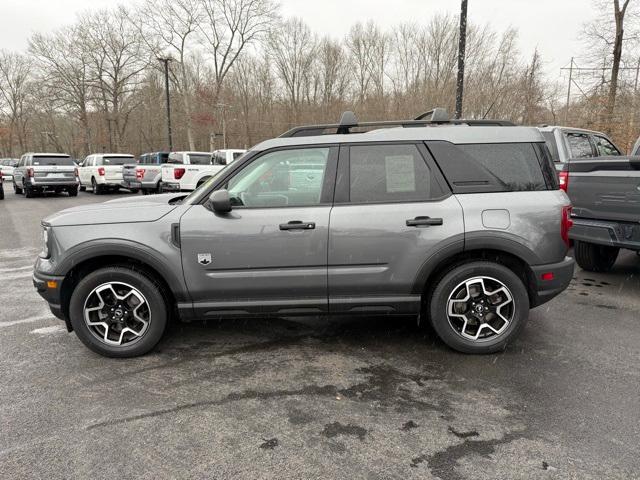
<point>550,25</point>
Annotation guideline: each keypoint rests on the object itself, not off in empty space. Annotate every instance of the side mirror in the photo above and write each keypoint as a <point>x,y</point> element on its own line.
<point>220,202</point>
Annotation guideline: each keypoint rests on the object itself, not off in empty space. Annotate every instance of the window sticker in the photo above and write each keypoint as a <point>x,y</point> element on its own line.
<point>400,173</point>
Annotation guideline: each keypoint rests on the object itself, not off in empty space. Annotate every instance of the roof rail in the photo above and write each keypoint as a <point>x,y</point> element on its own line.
<point>438,116</point>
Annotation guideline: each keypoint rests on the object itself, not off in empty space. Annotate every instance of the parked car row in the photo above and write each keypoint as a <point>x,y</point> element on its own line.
<point>101,172</point>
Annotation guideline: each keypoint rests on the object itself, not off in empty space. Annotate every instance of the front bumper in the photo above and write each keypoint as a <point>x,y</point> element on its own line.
<point>612,234</point>
<point>49,287</point>
<point>558,277</point>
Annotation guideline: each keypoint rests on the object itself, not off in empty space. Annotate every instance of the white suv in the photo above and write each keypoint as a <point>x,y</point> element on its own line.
<point>103,171</point>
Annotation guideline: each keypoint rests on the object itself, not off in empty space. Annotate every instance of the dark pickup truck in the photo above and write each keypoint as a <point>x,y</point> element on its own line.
<point>605,193</point>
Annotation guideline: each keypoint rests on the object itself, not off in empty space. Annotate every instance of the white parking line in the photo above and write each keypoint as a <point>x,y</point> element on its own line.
<point>49,330</point>
<point>16,269</point>
<point>25,320</point>
<point>17,276</point>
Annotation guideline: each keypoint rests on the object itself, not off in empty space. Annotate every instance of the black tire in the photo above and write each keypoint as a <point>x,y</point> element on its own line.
<point>159,188</point>
<point>97,190</point>
<point>595,258</point>
<point>450,281</point>
<point>73,191</point>
<point>134,190</point>
<point>82,188</point>
<point>17,189</point>
<point>140,281</point>
<point>1,192</point>
<point>145,191</point>
<point>29,192</point>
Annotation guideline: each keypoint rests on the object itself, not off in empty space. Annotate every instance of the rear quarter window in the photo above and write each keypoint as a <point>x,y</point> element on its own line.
<point>493,167</point>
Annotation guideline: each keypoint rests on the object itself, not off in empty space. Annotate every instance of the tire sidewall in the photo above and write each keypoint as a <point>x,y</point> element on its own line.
<point>457,275</point>
<point>142,283</point>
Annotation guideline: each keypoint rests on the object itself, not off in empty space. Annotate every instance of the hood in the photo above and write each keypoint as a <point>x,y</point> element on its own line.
<point>122,210</point>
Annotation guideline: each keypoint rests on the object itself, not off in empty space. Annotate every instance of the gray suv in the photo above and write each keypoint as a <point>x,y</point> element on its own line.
<point>458,222</point>
<point>40,172</point>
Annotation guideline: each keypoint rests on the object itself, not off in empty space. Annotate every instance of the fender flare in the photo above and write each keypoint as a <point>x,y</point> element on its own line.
<point>125,248</point>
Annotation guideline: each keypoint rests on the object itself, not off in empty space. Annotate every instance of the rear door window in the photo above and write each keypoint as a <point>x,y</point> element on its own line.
<point>492,167</point>
<point>604,147</point>
<point>390,173</point>
<point>580,145</point>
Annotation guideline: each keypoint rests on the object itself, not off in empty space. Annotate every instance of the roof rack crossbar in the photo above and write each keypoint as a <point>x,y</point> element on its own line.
<point>340,128</point>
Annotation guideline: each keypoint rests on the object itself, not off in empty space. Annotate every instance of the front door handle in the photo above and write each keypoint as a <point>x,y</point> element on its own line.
<point>297,225</point>
<point>423,221</point>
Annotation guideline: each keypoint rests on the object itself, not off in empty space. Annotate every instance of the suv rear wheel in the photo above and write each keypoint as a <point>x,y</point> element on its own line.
<point>478,307</point>
<point>97,189</point>
<point>118,312</point>
<point>595,258</point>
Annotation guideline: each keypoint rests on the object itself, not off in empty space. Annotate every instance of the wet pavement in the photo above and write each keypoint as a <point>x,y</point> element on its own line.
<point>315,398</point>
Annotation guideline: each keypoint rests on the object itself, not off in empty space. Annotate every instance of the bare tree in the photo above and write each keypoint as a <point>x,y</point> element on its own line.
<point>119,59</point>
<point>292,47</point>
<point>15,90</point>
<point>65,71</point>
<point>607,37</point>
<point>231,26</point>
<point>168,27</point>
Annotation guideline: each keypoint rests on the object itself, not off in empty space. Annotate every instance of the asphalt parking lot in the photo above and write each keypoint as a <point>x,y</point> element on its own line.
<point>315,398</point>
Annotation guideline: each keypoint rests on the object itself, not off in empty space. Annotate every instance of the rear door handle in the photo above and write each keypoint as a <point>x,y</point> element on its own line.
<point>423,221</point>
<point>297,225</point>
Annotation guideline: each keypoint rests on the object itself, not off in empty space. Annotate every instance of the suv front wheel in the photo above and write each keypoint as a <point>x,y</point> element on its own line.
<point>478,307</point>
<point>118,312</point>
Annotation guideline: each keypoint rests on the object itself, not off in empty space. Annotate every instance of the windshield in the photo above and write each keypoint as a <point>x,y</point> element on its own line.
<point>118,160</point>
<point>52,161</point>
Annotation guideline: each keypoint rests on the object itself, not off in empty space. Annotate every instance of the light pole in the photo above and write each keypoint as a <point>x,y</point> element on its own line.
<point>166,86</point>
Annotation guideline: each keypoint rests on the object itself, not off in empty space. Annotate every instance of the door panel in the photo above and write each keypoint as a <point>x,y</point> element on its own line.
<point>375,258</point>
<point>255,267</point>
<point>269,254</point>
<point>393,211</point>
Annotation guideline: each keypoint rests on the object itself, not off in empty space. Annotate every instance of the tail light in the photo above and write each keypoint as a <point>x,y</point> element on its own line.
<point>101,171</point>
<point>30,172</point>
<point>139,173</point>
<point>178,173</point>
<point>565,224</point>
<point>563,177</point>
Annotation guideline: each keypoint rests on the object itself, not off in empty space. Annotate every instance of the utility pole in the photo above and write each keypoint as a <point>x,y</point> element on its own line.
<point>462,42</point>
<point>566,112</point>
<point>166,86</point>
<point>223,107</point>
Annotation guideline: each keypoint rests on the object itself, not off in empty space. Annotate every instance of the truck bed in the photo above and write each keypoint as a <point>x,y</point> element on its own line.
<point>605,188</point>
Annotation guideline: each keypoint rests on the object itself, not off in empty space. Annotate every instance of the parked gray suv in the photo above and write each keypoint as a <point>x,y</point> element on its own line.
<point>458,222</point>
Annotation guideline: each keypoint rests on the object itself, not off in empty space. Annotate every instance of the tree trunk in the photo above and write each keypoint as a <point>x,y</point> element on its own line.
<point>617,56</point>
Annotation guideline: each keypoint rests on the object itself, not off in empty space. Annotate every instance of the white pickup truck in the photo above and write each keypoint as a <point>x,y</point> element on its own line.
<point>186,171</point>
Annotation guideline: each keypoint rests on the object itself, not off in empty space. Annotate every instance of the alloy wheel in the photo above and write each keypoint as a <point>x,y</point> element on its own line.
<point>117,313</point>
<point>480,308</point>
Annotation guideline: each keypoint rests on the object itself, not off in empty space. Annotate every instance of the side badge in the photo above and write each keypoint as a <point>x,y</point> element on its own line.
<point>204,258</point>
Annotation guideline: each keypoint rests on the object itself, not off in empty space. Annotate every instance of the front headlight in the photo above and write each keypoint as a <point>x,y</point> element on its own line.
<point>45,242</point>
